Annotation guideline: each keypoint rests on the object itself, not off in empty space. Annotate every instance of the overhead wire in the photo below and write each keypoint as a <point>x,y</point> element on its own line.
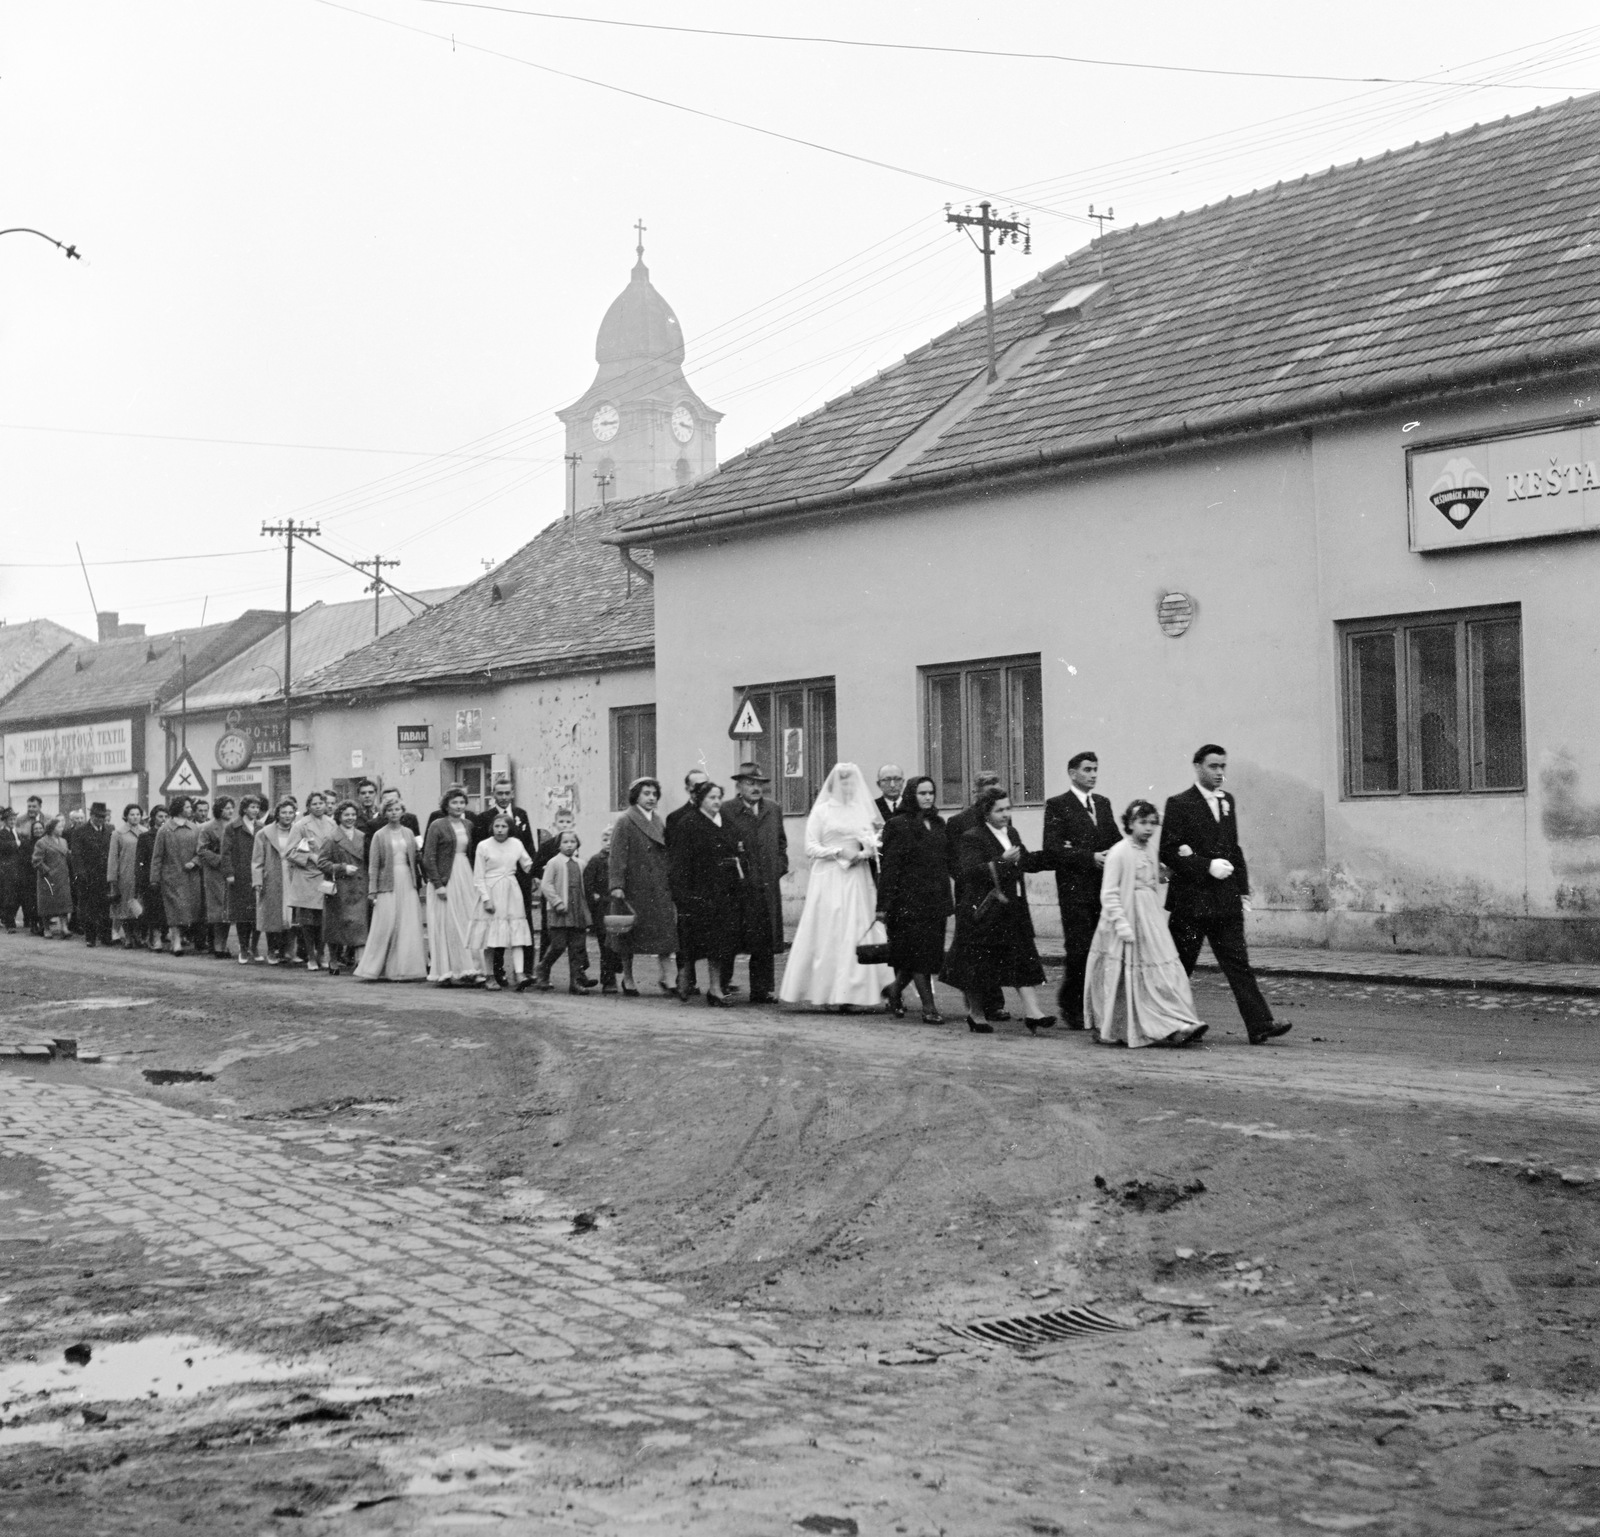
<point>1015,54</point>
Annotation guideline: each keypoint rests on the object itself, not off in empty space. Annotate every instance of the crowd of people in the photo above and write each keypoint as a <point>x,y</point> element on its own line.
<point>486,900</point>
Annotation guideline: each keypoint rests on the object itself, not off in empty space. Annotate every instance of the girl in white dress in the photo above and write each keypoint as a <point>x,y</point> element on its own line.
<point>501,922</point>
<point>395,950</point>
<point>1133,943</point>
<point>841,902</point>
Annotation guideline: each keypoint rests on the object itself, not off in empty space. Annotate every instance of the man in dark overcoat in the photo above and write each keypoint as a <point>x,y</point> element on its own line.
<point>686,964</point>
<point>1079,828</point>
<point>759,825</point>
<point>1210,886</point>
<point>89,849</point>
<point>522,830</point>
<point>994,1003</point>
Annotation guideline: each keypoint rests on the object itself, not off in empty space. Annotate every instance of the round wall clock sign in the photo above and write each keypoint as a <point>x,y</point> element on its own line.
<point>233,751</point>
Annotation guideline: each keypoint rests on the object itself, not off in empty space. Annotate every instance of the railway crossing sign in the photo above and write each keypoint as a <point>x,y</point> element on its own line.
<point>185,778</point>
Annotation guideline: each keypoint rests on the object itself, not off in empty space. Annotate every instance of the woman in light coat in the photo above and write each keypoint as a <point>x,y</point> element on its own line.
<point>640,876</point>
<point>446,861</point>
<point>269,877</point>
<point>303,876</point>
<point>343,860</point>
<point>175,872</point>
<point>394,951</point>
<point>122,878</point>
<point>1134,945</point>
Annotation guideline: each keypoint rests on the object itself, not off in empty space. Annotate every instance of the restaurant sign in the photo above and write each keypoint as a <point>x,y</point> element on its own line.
<point>1525,485</point>
<point>68,752</point>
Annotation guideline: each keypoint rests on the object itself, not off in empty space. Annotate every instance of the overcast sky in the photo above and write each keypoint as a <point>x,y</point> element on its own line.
<point>343,262</point>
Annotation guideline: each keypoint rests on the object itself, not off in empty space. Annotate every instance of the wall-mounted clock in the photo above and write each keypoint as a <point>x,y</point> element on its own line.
<point>605,422</point>
<point>233,751</point>
<point>682,423</point>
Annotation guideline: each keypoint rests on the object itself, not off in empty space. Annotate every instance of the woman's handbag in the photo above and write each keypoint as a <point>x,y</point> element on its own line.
<point>135,907</point>
<point>619,922</point>
<point>872,954</point>
<point>327,888</point>
<point>993,901</point>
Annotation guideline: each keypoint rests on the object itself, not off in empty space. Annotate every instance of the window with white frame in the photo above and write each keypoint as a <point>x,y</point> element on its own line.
<point>798,742</point>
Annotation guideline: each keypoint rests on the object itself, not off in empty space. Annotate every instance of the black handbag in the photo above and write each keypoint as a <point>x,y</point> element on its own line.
<point>869,954</point>
<point>993,901</point>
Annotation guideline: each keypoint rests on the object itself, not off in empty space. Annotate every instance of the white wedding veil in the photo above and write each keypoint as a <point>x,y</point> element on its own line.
<point>846,788</point>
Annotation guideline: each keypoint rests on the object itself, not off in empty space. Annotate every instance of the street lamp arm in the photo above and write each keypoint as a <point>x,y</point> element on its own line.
<point>22,229</point>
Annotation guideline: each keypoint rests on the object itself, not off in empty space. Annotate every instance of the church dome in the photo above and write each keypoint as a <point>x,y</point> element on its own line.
<point>640,325</point>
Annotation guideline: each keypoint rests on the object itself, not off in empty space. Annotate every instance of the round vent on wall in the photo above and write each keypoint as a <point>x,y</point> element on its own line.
<point>1175,613</point>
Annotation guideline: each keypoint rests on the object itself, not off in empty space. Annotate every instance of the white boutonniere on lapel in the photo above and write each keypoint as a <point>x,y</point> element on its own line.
<point>1222,804</point>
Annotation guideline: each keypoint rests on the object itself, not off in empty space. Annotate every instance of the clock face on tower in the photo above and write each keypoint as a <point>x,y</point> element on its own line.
<point>605,422</point>
<point>682,423</point>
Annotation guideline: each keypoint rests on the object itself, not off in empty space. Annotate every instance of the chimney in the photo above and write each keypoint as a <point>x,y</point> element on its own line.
<point>107,620</point>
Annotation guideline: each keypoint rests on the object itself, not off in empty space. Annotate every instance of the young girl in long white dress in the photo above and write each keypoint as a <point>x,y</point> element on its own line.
<point>395,949</point>
<point>501,922</point>
<point>841,902</point>
<point>1133,943</point>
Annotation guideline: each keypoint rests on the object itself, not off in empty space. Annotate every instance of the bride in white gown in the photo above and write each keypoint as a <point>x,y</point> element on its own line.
<point>841,904</point>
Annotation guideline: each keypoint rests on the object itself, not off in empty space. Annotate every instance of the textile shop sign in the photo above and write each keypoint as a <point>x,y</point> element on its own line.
<point>70,751</point>
<point>1525,485</point>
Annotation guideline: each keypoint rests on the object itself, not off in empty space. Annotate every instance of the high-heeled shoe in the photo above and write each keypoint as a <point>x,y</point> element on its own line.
<point>979,1026</point>
<point>627,988</point>
<point>1042,1022</point>
<point>717,1001</point>
<point>932,1017</point>
<point>891,1001</point>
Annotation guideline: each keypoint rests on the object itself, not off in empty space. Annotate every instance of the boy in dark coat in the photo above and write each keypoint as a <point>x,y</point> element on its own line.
<point>597,892</point>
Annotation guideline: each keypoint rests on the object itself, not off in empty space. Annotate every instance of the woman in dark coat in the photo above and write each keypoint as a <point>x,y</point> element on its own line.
<point>11,870</point>
<point>213,838</point>
<point>641,877</point>
<point>994,931</point>
<point>153,923</point>
<point>707,876</point>
<point>343,860</point>
<point>175,872</point>
<point>52,868</point>
<point>914,896</point>
<point>238,850</point>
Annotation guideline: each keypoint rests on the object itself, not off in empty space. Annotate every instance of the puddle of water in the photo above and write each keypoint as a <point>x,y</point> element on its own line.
<point>166,1366</point>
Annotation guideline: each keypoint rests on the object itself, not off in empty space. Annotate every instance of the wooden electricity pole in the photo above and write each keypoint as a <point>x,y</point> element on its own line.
<point>1002,230</point>
<point>377,563</point>
<point>289,531</point>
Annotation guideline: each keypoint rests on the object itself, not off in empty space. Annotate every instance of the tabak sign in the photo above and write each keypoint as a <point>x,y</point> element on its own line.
<point>1525,485</point>
<point>68,752</point>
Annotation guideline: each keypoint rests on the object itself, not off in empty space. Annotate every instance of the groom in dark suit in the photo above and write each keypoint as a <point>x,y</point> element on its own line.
<point>1210,886</point>
<point>1079,827</point>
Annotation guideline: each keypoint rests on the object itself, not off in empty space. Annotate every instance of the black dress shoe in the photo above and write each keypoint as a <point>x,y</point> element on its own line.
<point>717,1001</point>
<point>628,989</point>
<point>761,997</point>
<point>1043,1022</point>
<point>980,1026</point>
<point>892,1001</point>
<point>1269,1032</point>
<point>999,1017</point>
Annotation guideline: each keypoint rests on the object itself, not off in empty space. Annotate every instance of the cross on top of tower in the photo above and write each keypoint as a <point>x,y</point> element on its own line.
<point>639,230</point>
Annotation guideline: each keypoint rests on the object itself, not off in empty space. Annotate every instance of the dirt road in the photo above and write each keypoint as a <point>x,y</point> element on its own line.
<point>440,1261</point>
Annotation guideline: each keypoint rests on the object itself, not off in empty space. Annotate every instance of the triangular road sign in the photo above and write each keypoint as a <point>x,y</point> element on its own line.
<point>746,722</point>
<point>185,778</point>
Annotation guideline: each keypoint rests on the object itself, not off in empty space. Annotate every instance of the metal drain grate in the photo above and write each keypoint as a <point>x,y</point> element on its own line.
<point>1039,1328</point>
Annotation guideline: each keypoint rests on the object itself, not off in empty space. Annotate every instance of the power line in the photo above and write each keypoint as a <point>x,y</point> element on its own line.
<point>176,437</point>
<point>140,560</point>
<point>985,53</point>
<point>678,106</point>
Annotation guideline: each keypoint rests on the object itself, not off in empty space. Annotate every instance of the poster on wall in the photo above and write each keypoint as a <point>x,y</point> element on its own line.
<point>794,753</point>
<point>1526,485</point>
<point>469,729</point>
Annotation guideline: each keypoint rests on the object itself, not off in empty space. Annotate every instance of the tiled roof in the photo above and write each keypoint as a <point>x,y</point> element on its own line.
<point>1471,257</point>
<point>322,634</point>
<point>562,601</point>
<point>27,646</point>
<point>128,675</point>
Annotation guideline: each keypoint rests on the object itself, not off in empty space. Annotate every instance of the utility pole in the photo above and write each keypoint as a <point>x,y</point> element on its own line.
<point>289,531</point>
<point>377,584</point>
<point>1102,219</point>
<point>604,482</point>
<point>573,461</point>
<point>1002,230</point>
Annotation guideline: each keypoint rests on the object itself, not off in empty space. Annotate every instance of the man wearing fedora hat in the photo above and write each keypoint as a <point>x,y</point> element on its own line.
<point>759,824</point>
<point>89,850</point>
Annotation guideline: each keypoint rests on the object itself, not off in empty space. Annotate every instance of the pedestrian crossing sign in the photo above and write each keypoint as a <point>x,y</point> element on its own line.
<point>185,778</point>
<point>746,722</point>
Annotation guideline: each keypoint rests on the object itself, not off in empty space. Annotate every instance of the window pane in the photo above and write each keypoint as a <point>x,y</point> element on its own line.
<point>1495,647</point>
<point>1375,721</point>
<point>1433,708</point>
<point>944,739</point>
<point>789,710</point>
<point>1027,734</point>
<point>823,740</point>
<point>621,777</point>
<point>646,762</point>
<point>986,734</point>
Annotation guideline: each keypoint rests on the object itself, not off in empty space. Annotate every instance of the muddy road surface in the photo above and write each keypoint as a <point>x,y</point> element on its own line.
<point>331,1258</point>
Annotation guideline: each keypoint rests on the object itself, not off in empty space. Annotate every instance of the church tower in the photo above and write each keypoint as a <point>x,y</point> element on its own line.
<point>639,427</point>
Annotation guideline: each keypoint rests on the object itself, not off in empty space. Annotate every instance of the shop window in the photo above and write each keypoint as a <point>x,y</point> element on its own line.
<point>799,739</point>
<point>633,749</point>
<point>985,715</point>
<point>472,774</point>
<point>1433,704</point>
